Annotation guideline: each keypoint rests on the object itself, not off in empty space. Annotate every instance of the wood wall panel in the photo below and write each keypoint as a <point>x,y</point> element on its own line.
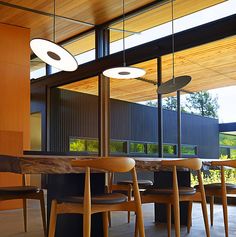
<point>11,143</point>
<point>15,97</point>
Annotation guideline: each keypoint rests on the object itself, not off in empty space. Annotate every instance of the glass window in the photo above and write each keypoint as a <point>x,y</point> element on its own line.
<point>83,48</point>
<point>152,148</point>
<point>224,151</point>
<point>169,149</point>
<point>136,147</point>
<point>77,144</point>
<point>188,14</point>
<point>37,68</point>
<point>92,145</point>
<point>233,153</point>
<point>227,139</point>
<point>189,150</point>
<point>118,147</point>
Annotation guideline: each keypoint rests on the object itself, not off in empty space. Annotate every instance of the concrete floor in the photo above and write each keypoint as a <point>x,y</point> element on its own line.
<point>11,223</point>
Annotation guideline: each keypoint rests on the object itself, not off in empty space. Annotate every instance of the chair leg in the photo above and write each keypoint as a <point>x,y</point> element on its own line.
<point>53,219</point>
<point>189,224</point>
<point>212,209</point>
<point>225,212</point>
<point>86,224</point>
<point>204,212</point>
<point>168,209</point>
<point>140,222</point>
<point>176,217</point>
<point>136,227</point>
<point>42,204</point>
<point>105,224</point>
<point>109,218</point>
<point>25,214</point>
<point>129,199</point>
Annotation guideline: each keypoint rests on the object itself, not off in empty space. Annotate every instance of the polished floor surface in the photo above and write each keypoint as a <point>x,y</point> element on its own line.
<point>11,223</point>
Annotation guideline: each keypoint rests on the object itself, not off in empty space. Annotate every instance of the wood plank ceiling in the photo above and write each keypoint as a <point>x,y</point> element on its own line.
<point>211,66</point>
<point>95,12</point>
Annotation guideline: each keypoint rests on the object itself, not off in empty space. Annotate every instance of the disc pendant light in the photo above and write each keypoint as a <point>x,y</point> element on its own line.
<point>176,83</point>
<point>124,72</point>
<point>52,53</point>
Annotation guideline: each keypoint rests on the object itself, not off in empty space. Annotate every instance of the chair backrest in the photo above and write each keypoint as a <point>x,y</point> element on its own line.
<point>229,163</point>
<point>190,163</point>
<point>112,164</point>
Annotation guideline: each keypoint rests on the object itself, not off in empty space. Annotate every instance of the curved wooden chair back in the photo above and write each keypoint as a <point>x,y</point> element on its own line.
<point>229,163</point>
<point>190,163</point>
<point>112,164</point>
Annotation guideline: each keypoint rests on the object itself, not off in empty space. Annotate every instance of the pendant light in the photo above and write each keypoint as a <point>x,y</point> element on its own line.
<point>176,83</point>
<point>124,72</point>
<point>52,53</point>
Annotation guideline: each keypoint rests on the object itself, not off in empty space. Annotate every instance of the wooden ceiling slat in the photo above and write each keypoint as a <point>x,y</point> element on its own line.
<point>211,66</point>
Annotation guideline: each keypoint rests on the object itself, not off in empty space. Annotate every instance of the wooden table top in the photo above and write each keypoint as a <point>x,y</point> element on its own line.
<point>56,164</point>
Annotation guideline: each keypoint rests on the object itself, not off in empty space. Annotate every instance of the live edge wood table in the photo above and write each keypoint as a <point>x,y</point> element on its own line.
<point>66,180</point>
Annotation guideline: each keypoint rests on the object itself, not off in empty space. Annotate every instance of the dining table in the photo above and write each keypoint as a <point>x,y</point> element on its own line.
<point>63,179</point>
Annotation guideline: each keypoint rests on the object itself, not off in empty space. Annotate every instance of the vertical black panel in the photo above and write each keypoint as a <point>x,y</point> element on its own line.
<point>75,114</point>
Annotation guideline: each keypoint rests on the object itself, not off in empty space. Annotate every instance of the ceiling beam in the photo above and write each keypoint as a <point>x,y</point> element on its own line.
<point>196,36</point>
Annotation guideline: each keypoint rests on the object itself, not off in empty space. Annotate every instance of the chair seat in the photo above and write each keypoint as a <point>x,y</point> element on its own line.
<point>142,183</point>
<point>218,186</point>
<point>112,198</point>
<point>166,191</point>
<point>17,190</point>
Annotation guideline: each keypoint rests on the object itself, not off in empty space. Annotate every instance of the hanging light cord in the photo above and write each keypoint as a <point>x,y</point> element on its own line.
<point>123,10</point>
<point>54,21</point>
<point>173,41</point>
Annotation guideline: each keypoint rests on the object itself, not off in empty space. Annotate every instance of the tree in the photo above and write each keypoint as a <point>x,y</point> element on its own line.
<point>170,103</point>
<point>151,103</point>
<point>202,103</point>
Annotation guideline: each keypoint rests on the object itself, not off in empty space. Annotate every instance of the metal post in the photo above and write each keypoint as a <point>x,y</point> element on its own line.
<point>102,42</point>
<point>179,123</point>
<point>48,69</point>
<point>159,109</point>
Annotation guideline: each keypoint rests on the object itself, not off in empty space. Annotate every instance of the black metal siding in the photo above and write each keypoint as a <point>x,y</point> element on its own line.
<point>75,114</point>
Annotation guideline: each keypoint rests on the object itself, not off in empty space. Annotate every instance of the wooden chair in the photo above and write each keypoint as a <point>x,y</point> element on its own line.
<point>143,184</point>
<point>221,190</point>
<point>127,189</point>
<point>177,194</point>
<point>25,192</point>
<point>88,205</point>
<point>11,143</point>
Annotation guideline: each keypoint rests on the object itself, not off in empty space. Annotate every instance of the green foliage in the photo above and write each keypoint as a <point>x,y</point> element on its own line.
<point>227,140</point>
<point>77,144</point>
<point>81,145</point>
<point>188,150</point>
<point>92,146</point>
<point>170,103</point>
<point>151,103</point>
<point>137,147</point>
<point>202,103</point>
<point>213,176</point>
<point>117,147</point>
<point>169,149</point>
<point>152,148</point>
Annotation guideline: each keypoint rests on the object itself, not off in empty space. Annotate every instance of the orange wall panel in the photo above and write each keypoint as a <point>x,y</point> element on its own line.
<point>15,96</point>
